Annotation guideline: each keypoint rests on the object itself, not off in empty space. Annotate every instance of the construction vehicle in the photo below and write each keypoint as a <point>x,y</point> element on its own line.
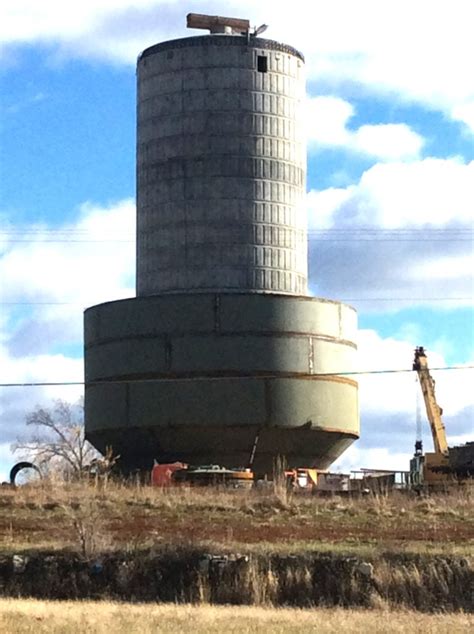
<point>179,474</point>
<point>436,469</point>
<point>214,475</point>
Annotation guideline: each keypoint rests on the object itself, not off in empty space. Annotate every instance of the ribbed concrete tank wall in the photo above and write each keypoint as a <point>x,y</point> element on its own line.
<point>221,167</point>
<point>198,377</point>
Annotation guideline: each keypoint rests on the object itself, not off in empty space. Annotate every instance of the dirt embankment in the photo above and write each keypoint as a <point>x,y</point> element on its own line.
<point>423,583</point>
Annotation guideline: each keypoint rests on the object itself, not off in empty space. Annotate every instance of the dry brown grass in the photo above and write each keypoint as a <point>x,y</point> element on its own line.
<point>40,617</point>
<point>59,515</point>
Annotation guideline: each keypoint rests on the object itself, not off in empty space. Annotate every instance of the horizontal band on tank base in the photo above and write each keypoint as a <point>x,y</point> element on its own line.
<point>219,312</point>
<point>197,376</point>
<point>203,335</point>
<point>286,402</point>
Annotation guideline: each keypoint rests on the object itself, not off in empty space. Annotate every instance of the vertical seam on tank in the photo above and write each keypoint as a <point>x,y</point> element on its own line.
<point>168,353</point>
<point>139,274</point>
<point>268,403</point>
<point>217,313</point>
<point>310,355</point>
<point>127,403</point>
<point>185,201</point>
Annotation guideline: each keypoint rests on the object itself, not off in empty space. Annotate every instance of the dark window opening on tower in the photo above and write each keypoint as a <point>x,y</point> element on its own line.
<point>262,64</point>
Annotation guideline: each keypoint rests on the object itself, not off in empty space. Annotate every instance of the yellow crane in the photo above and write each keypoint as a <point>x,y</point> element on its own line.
<point>433,410</point>
<point>430,469</point>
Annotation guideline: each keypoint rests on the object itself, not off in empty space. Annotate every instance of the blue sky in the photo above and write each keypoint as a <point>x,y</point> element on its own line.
<point>390,124</point>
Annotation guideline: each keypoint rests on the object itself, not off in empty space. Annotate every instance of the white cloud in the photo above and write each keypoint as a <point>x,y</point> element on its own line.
<point>444,268</point>
<point>464,112</point>
<point>50,276</point>
<point>327,120</point>
<point>27,20</point>
<point>403,233</point>
<point>389,141</point>
<point>78,263</point>
<point>322,205</point>
<point>431,192</point>
<point>410,51</point>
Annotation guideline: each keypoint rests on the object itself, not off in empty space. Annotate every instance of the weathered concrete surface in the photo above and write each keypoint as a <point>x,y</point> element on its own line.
<point>221,167</point>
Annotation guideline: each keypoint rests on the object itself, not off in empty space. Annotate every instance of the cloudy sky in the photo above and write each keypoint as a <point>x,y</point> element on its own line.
<point>390,123</point>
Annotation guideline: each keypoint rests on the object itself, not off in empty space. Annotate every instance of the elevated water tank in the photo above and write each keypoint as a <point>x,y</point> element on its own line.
<point>222,353</point>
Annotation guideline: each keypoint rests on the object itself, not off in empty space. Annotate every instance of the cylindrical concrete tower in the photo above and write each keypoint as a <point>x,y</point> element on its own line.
<point>221,167</point>
<point>222,351</point>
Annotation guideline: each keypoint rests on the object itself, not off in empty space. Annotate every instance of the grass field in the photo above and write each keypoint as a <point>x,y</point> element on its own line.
<point>297,550</point>
<point>38,617</point>
<point>82,517</point>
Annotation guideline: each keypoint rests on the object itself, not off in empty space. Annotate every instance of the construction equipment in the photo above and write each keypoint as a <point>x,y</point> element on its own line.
<point>179,473</point>
<point>162,474</point>
<point>302,479</point>
<point>430,470</point>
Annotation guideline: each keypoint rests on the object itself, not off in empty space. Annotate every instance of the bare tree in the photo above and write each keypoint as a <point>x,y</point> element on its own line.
<point>58,441</point>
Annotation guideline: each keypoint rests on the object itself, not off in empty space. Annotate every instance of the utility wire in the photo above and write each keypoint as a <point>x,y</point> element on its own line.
<point>331,235</point>
<point>329,230</point>
<point>340,299</point>
<point>224,378</point>
<point>310,238</point>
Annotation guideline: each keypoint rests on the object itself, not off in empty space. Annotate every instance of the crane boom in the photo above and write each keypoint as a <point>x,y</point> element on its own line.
<point>433,410</point>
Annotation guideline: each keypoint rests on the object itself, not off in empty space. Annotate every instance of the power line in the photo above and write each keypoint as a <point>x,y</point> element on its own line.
<point>224,378</point>
<point>350,238</point>
<point>340,299</point>
<point>57,241</point>
<point>358,229</point>
<point>351,234</point>
<point>405,299</point>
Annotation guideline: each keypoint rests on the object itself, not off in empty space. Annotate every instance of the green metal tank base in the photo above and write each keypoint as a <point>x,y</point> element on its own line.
<point>198,377</point>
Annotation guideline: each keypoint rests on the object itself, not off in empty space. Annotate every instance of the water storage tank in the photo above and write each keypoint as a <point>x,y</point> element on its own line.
<point>222,354</point>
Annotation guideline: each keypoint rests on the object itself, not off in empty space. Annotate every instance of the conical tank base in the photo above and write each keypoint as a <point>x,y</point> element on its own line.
<point>230,448</point>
